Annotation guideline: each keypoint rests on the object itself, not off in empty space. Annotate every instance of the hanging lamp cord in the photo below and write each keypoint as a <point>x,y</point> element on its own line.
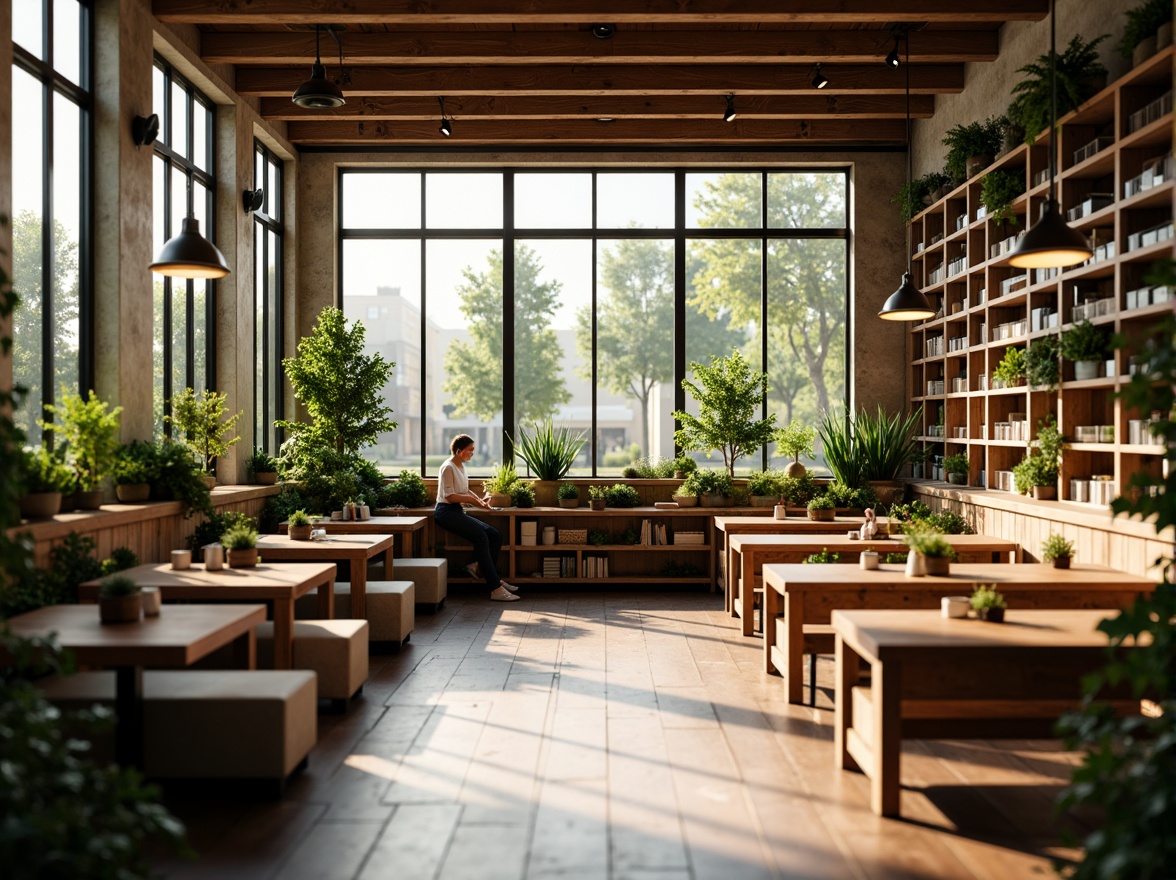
<point>1053,99</point>
<point>910,152</point>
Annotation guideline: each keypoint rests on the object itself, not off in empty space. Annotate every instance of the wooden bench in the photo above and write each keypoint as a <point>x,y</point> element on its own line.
<point>334,650</point>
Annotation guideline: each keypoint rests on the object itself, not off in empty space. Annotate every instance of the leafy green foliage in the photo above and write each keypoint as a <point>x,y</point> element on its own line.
<point>883,444</point>
<point>974,139</point>
<point>856,498</point>
<point>213,527</point>
<point>502,478</point>
<point>44,470</point>
<point>765,484</point>
<point>278,508</point>
<point>549,452</point>
<point>567,491</point>
<point>261,462</point>
<point>795,440</point>
<point>90,433</point>
<point>1056,547</point>
<point>949,523</point>
<point>706,482</point>
<point>899,558</point>
<point>1041,361</point>
<point>239,537</point>
<point>522,494</point>
<point>341,387</point>
<point>925,540</point>
<point>1040,469</point>
<point>822,558</point>
<point>1077,67</point>
<point>622,495</point>
<point>986,596</point>
<point>729,397</point>
<point>408,490</point>
<point>1011,368</point>
<point>1143,21</point>
<point>202,417</point>
<point>178,477</point>
<point>821,502</point>
<point>630,473</point>
<point>798,490</point>
<point>957,464</point>
<point>597,537</point>
<point>1084,342</point>
<point>598,493</point>
<point>118,586</point>
<point>910,197</point>
<point>120,559</point>
<point>998,191</point>
<point>136,462</point>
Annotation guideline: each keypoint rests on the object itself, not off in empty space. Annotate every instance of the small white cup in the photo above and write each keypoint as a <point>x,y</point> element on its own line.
<point>781,512</point>
<point>869,560</point>
<point>954,606</point>
<point>152,601</point>
<point>181,559</point>
<point>214,557</point>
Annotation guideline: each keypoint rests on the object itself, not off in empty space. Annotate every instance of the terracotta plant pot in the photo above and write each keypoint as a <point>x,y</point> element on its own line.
<point>89,500</point>
<point>132,493</point>
<point>1062,562</point>
<point>822,515</point>
<point>795,470</point>
<point>120,609</point>
<point>992,615</point>
<point>569,503</point>
<point>1045,493</point>
<point>597,503</point>
<point>40,504</point>
<point>299,533</point>
<point>266,478</point>
<point>209,481</point>
<point>499,499</point>
<point>242,558</point>
<point>686,500</point>
<point>939,566</point>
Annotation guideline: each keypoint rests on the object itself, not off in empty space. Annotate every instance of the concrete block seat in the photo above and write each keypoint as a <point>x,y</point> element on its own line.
<point>390,611</point>
<point>335,650</point>
<point>431,578</point>
<point>222,724</point>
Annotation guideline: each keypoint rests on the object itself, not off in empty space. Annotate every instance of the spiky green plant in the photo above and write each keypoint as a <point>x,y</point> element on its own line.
<point>548,451</point>
<point>836,433</point>
<point>884,443</point>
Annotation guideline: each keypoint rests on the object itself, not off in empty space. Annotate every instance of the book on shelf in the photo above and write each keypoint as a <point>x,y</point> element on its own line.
<point>697,538</point>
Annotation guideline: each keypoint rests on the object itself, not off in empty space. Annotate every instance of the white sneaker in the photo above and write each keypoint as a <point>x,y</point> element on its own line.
<point>472,570</point>
<point>510,587</point>
<point>503,595</point>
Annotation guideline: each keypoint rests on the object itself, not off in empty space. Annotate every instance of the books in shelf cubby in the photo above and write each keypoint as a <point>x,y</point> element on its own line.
<point>1115,184</point>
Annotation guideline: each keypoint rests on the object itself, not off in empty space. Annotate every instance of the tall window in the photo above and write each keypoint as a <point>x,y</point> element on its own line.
<point>506,297</point>
<point>51,228</point>
<point>183,183</point>
<point>267,297</point>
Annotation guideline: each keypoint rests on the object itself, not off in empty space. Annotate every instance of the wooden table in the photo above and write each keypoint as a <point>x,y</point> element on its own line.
<point>178,637</point>
<point>355,549</point>
<point>935,677</point>
<point>749,553</point>
<point>406,527</point>
<point>276,582</point>
<point>808,594</point>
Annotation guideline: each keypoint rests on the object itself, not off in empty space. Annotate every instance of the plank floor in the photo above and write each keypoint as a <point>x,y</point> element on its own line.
<point>621,735</point>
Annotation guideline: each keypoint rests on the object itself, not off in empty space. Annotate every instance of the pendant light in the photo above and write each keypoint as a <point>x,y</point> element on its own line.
<point>1051,243</point>
<point>907,303</point>
<point>189,254</point>
<point>318,93</point>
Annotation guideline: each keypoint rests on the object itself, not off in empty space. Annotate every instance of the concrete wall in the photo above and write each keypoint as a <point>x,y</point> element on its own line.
<point>987,86</point>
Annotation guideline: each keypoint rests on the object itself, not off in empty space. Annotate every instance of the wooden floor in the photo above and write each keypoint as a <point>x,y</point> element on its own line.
<point>619,735</point>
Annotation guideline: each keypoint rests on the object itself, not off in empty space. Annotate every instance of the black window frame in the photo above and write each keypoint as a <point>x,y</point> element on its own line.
<point>266,219</point>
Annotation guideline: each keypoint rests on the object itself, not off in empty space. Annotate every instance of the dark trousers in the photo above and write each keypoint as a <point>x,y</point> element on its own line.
<point>486,539</point>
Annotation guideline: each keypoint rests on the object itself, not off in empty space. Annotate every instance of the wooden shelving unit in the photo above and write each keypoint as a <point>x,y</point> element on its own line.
<point>1116,175</point>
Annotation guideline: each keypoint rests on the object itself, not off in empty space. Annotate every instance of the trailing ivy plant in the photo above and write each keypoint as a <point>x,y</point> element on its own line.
<point>998,191</point>
<point>911,196</point>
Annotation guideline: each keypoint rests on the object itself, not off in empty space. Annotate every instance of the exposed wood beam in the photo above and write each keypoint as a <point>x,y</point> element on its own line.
<point>634,47</point>
<point>754,132</point>
<point>618,106</point>
<point>587,11</point>
<point>926,79</point>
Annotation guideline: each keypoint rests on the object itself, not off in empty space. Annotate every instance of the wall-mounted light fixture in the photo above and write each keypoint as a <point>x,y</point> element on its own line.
<point>251,199</point>
<point>892,59</point>
<point>145,129</point>
<point>318,93</point>
<point>603,31</point>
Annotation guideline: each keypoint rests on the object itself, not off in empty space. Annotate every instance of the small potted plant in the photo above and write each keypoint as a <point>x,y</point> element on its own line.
<point>263,467</point>
<point>957,467</point>
<point>44,478</point>
<point>795,440</point>
<point>710,487</point>
<point>498,487</point>
<point>1011,369</point>
<point>135,467</point>
<point>200,416</point>
<point>933,549</point>
<point>120,600</point>
<point>1057,550</point>
<point>89,430</point>
<point>522,494</point>
<point>683,494</point>
<point>919,193</point>
<point>764,489</point>
<point>630,472</point>
<point>622,495</point>
<point>998,192</point>
<point>1041,362</point>
<point>823,558</point>
<point>684,466</point>
<point>240,543</point>
<point>299,526</point>
<point>1039,473</point>
<point>1141,35</point>
<point>597,497</point>
<point>1086,346</point>
<point>988,603</point>
<point>568,495</point>
<point>1079,74</point>
<point>821,509</point>
<point>971,147</point>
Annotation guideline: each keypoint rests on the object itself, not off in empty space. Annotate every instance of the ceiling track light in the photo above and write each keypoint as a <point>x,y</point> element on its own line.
<point>319,93</point>
<point>603,31</point>
<point>446,125</point>
<point>892,60</point>
<point>729,114</point>
<point>819,80</point>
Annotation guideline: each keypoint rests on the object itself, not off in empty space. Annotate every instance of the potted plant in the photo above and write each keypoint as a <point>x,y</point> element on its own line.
<point>988,603</point>
<point>622,495</point>
<point>120,600</point>
<point>299,526</point>
<point>44,478</point>
<point>998,192</point>
<point>882,446</point>
<point>201,418</point>
<point>795,440</point>
<point>262,467</point>
<point>1079,75</point>
<point>90,433</point>
<point>1141,35</point>
<point>922,191</point>
<point>597,497</point>
<point>972,147</point>
<point>498,487</point>
<point>763,488</point>
<point>1039,473</point>
<point>821,509</point>
<point>1086,346</point>
<point>549,453</point>
<point>710,487</point>
<point>823,558</point>
<point>729,397</point>
<point>1041,362</point>
<point>797,491</point>
<point>933,549</point>
<point>240,543</point>
<point>684,465</point>
<point>522,494</point>
<point>135,467</point>
<point>178,477</point>
<point>1011,369</point>
<point>568,495</point>
<point>630,472</point>
<point>957,467</point>
<point>1057,550</point>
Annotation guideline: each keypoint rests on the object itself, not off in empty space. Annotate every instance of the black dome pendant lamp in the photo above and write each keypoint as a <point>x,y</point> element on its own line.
<point>907,303</point>
<point>189,254</point>
<point>318,92</point>
<point>1051,243</point>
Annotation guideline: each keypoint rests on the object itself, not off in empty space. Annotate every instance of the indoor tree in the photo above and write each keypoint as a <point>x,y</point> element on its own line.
<point>201,416</point>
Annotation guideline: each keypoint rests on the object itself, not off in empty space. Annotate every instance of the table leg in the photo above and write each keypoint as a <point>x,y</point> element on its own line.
<point>771,608</point>
<point>283,633</point>
<point>405,551</point>
<point>847,675</point>
<point>734,563</point>
<point>359,589</point>
<point>747,592</point>
<point>326,599</point>
<point>793,646</point>
<point>886,688</point>
<point>128,702</point>
<point>388,563</point>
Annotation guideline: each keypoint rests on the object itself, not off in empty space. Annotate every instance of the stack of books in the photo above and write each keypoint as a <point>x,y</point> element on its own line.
<point>594,567</point>
<point>689,537</point>
<point>551,566</point>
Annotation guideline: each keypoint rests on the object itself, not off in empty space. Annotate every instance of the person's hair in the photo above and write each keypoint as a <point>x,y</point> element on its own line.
<point>460,442</point>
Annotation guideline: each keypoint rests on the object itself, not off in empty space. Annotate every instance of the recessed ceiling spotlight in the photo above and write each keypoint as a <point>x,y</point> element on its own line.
<point>819,79</point>
<point>729,113</point>
<point>603,31</point>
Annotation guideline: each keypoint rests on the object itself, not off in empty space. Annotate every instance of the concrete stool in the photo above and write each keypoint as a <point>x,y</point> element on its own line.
<point>431,578</point>
<point>193,720</point>
<point>335,650</point>
<point>390,611</point>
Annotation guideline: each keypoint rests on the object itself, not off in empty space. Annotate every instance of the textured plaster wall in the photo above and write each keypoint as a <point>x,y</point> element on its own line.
<point>987,85</point>
<point>878,348</point>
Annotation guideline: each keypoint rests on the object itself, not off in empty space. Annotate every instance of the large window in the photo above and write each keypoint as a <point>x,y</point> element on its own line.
<point>267,297</point>
<point>510,296</point>
<point>51,229</point>
<point>183,184</point>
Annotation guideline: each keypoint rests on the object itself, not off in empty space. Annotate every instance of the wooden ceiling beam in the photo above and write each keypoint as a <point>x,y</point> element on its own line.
<point>696,79</point>
<point>392,12</point>
<point>815,106</point>
<point>558,133</point>
<point>580,47</point>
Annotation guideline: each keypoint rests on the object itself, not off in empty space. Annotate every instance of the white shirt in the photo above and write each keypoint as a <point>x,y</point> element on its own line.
<point>451,480</point>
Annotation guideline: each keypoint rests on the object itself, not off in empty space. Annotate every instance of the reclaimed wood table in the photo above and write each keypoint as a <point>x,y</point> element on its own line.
<point>176,638</point>
<point>935,677</point>
<point>354,549</point>
<point>807,595</point>
<point>405,527</point>
<point>277,582</point>
<point>749,554</point>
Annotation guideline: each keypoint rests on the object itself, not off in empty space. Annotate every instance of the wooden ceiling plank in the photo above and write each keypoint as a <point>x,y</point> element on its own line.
<point>588,11</point>
<point>640,47</point>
